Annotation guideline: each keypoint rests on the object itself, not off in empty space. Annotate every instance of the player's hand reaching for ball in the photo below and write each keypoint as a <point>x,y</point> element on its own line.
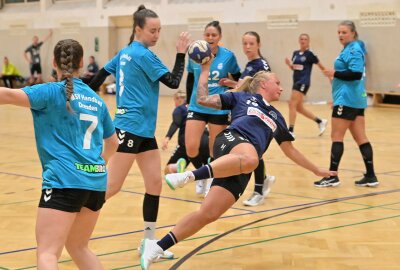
<point>183,42</point>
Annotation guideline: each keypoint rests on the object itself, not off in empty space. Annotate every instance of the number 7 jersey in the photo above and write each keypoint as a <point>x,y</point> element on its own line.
<point>70,144</point>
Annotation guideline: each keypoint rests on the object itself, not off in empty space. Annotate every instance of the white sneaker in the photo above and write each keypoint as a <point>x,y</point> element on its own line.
<point>178,180</point>
<point>201,186</point>
<point>166,255</point>
<point>322,126</point>
<point>151,252</point>
<point>293,135</point>
<point>269,180</point>
<point>255,199</point>
<point>181,165</point>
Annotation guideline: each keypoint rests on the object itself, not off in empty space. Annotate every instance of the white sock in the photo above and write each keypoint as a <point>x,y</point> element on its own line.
<point>149,229</point>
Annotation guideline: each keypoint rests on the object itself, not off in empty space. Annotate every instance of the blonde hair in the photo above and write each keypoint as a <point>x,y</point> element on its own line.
<point>252,84</point>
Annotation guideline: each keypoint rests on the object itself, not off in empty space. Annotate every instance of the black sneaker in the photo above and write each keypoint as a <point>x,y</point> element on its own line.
<point>367,181</point>
<point>331,181</point>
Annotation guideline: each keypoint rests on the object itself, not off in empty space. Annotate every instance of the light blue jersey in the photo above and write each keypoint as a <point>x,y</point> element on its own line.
<point>350,93</point>
<point>225,62</point>
<point>70,144</point>
<point>137,71</point>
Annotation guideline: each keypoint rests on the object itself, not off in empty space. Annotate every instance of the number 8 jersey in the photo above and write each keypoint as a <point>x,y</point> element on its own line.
<point>70,144</point>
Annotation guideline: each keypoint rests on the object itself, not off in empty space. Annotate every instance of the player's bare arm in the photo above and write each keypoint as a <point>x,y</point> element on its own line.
<point>213,101</point>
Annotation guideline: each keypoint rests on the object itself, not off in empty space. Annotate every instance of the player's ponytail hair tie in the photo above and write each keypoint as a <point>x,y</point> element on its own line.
<point>252,84</point>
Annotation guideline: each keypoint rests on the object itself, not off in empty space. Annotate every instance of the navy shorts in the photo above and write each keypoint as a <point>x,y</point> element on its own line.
<point>301,87</point>
<point>224,142</point>
<point>133,144</point>
<point>347,113</point>
<point>72,199</point>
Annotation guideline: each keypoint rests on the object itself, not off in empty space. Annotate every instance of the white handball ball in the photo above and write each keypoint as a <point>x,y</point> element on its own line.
<point>200,51</point>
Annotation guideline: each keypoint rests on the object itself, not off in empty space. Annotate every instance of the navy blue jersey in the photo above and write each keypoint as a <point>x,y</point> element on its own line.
<point>255,66</point>
<point>179,116</point>
<point>255,119</point>
<point>302,66</point>
<point>93,68</point>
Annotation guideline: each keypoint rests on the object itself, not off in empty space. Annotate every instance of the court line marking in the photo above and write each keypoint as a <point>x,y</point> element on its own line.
<point>172,225</point>
<point>244,229</point>
<point>247,244</point>
<point>185,200</point>
<point>197,249</point>
<point>215,234</point>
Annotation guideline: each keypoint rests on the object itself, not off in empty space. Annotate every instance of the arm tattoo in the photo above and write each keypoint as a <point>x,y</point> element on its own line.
<point>213,101</point>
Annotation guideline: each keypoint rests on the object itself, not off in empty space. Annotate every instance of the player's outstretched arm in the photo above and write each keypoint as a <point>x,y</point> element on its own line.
<point>14,96</point>
<point>297,157</point>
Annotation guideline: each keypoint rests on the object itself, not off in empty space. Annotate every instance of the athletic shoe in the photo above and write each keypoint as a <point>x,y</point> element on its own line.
<point>166,254</point>
<point>367,181</point>
<point>331,181</point>
<point>178,180</point>
<point>255,199</point>
<point>268,181</point>
<point>151,252</point>
<point>181,165</point>
<point>293,135</point>
<point>201,186</point>
<point>322,126</point>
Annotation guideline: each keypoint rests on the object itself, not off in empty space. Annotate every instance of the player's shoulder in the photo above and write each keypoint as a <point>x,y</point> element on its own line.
<point>225,51</point>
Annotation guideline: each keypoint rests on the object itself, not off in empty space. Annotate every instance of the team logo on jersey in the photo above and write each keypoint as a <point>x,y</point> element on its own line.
<point>303,58</point>
<point>273,114</point>
<point>265,118</point>
<point>90,168</point>
<point>252,101</point>
<point>47,195</point>
<point>220,66</point>
<point>249,68</point>
<point>121,111</point>
<point>297,67</point>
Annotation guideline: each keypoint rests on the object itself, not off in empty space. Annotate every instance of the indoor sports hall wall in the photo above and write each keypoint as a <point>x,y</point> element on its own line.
<point>278,23</point>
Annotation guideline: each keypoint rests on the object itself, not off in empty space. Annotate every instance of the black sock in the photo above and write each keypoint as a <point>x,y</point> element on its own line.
<point>367,155</point>
<point>167,241</point>
<point>259,175</point>
<point>203,172</point>
<point>196,161</point>
<point>150,207</point>
<point>318,120</point>
<point>336,154</point>
<point>291,128</point>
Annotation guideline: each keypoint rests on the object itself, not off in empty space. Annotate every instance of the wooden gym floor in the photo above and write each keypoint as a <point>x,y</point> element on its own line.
<point>298,227</point>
